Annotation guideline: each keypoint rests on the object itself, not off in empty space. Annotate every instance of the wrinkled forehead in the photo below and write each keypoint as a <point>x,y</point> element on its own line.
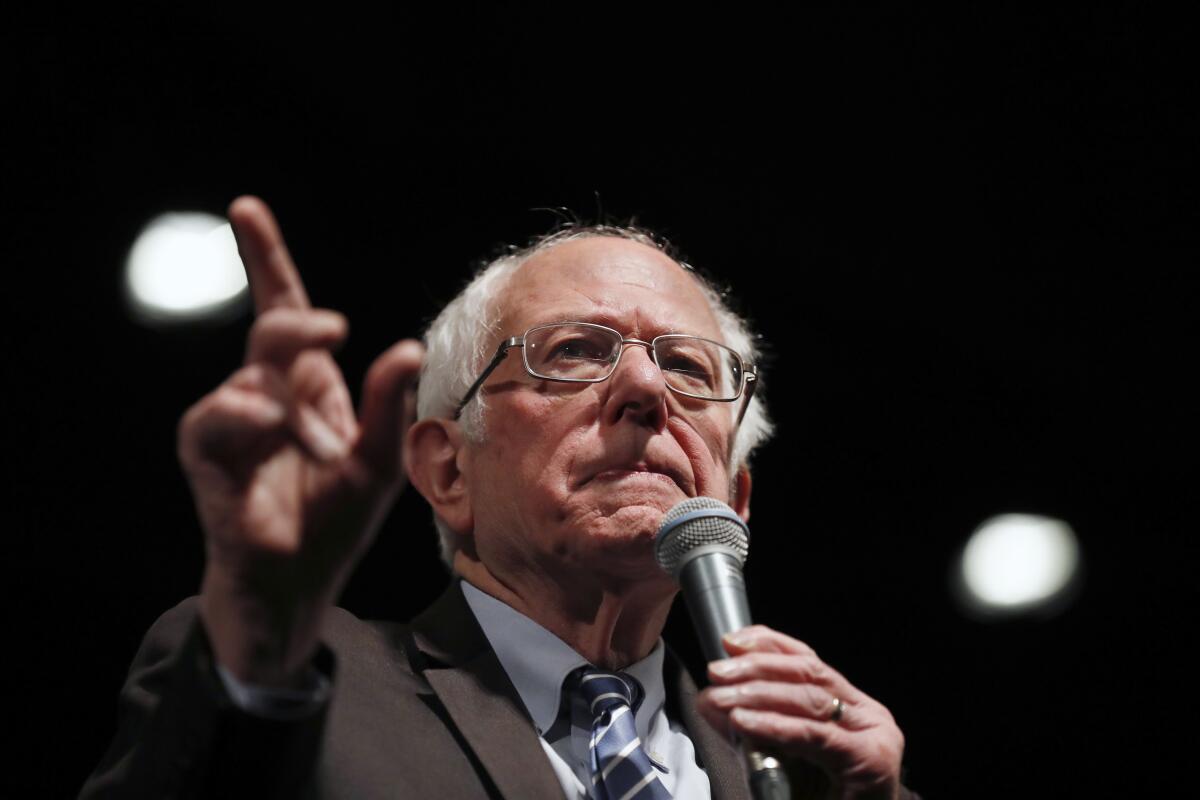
<point>624,284</point>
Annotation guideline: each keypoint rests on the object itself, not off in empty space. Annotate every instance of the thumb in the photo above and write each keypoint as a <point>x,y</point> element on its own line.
<point>388,408</point>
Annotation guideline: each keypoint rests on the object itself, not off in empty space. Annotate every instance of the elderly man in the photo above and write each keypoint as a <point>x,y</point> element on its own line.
<point>618,384</point>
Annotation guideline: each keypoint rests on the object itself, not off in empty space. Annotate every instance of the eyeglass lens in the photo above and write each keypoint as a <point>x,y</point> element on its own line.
<point>585,353</point>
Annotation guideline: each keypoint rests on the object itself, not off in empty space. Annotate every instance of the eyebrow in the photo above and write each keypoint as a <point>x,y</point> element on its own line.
<point>610,320</point>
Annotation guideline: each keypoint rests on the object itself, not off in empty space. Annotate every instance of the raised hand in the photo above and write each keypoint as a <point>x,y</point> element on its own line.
<point>776,692</point>
<point>289,484</point>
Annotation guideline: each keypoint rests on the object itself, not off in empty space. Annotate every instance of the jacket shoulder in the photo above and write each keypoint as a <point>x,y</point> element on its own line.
<point>179,733</point>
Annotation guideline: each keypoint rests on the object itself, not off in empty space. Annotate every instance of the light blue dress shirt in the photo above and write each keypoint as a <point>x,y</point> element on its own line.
<point>537,662</point>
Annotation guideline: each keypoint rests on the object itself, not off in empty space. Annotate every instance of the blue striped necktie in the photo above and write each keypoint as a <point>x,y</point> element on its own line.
<point>620,768</point>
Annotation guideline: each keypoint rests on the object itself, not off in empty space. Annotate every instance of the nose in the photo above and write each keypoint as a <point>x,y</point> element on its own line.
<point>637,390</point>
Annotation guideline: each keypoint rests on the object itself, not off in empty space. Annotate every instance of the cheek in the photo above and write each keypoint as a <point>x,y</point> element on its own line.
<point>532,448</point>
<point>706,448</point>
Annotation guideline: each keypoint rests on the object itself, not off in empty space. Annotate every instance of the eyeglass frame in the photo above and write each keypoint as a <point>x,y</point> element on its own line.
<point>745,390</point>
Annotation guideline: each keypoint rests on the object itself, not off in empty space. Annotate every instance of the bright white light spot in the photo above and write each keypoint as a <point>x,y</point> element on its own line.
<point>1018,562</point>
<point>184,265</point>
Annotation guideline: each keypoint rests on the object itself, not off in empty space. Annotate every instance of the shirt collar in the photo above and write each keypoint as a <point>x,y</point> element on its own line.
<point>537,662</point>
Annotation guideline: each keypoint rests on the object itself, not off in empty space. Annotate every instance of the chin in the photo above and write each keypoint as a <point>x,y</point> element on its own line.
<point>623,539</point>
<point>633,522</point>
<point>617,530</point>
<point>635,497</point>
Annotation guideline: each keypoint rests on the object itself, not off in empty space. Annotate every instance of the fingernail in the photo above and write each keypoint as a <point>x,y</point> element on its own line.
<point>739,639</point>
<point>329,445</point>
<point>326,444</point>
<point>744,716</point>
<point>724,668</point>
<point>724,695</point>
<point>275,414</point>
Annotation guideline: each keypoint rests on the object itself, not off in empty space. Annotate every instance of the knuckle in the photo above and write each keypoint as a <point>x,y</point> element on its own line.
<point>816,670</point>
<point>377,377</point>
<point>267,322</point>
<point>187,420</point>
<point>273,325</point>
<point>249,375</point>
<point>812,735</point>
<point>185,430</point>
<point>190,431</point>
<point>280,315</point>
<point>226,400</point>
<point>378,374</point>
<point>814,698</point>
<point>196,413</point>
<point>788,666</point>
<point>796,669</point>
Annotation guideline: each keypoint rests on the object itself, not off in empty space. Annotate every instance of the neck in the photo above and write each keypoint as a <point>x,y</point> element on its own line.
<point>611,623</point>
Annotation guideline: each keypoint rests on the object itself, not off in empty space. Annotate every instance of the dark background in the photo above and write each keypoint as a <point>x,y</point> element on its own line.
<point>969,241</point>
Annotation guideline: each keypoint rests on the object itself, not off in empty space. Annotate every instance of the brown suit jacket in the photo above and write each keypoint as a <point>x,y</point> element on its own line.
<point>417,711</point>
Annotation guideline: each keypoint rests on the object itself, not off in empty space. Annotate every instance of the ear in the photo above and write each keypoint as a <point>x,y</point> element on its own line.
<point>433,449</point>
<point>741,492</point>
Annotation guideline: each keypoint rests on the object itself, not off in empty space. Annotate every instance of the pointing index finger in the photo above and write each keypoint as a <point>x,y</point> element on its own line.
<point>274,280</point>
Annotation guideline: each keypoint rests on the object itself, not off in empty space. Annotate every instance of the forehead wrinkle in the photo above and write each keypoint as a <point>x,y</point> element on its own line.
<point>649,287</point>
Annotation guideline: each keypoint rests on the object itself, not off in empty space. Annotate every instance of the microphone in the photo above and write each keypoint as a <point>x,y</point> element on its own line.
<point>703,543</point>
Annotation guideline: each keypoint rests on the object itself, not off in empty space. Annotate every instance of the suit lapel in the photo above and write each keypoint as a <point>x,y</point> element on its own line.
<point>465,674</point>
<point>468,679</point>
<point>721,760</point>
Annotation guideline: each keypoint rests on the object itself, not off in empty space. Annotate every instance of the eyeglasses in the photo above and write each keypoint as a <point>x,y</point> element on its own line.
<point>580,352</point>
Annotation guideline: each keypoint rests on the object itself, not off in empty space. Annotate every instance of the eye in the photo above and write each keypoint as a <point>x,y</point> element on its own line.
<point>581,348</point>
<point>691,369</point>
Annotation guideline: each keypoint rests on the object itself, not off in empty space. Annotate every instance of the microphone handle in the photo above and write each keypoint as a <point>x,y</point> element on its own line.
<point>715,591</point>
<point>768,781</point>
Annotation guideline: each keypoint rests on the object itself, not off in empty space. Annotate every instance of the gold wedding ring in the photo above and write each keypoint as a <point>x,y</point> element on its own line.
<point>839,708</point>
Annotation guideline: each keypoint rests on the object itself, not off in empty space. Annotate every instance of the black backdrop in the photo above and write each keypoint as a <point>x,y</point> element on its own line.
<point>967,239</point>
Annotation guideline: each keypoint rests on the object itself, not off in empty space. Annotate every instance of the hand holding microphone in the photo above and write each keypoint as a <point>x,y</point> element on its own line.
<point>769,689</point>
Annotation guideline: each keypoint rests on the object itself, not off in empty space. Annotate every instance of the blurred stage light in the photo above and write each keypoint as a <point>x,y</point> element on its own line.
<point>184,266</point>
<point>1016,564</point>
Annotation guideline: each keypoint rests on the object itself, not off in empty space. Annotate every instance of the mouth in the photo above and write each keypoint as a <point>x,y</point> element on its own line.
<point>642,472</point>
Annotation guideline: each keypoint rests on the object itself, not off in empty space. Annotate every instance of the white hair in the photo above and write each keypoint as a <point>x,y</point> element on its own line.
<point>463,337</point>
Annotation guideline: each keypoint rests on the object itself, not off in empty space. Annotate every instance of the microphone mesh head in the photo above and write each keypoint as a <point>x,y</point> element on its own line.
<point>698,522</point>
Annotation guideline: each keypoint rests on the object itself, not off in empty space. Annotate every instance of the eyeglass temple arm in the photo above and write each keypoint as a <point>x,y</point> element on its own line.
<point>501,352</point>
<point>751,385</point>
